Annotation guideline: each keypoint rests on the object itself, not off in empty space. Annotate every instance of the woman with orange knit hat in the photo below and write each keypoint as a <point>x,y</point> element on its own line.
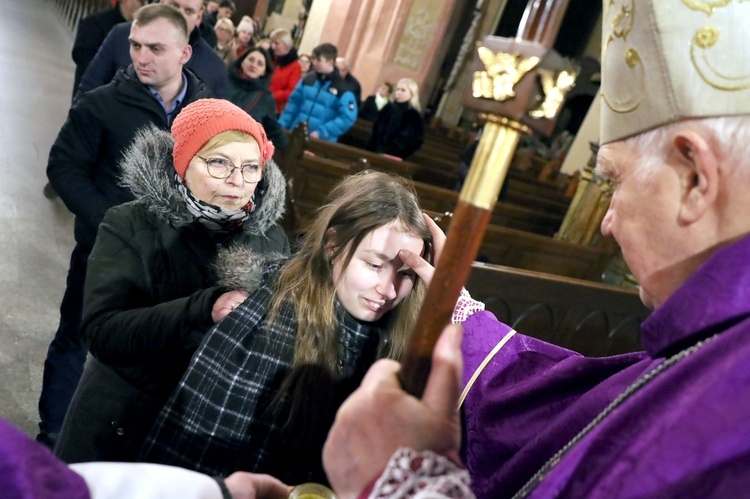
<point>164,269</point>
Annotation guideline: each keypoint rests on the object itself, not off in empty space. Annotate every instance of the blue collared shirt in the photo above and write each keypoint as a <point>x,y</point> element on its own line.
<point>175,103</point>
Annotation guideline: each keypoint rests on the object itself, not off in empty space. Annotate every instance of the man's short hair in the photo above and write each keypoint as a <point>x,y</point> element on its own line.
<point>327,51</point>
<point>228,4</point>
<point>150,13</point>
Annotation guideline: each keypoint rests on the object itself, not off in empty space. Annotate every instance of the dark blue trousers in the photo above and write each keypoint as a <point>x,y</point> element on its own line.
<point>66,354</point>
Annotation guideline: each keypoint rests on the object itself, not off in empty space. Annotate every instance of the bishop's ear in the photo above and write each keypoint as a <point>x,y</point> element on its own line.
<point>700,174</point>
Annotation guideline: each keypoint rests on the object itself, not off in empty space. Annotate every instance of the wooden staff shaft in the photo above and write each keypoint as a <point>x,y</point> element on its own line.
<point>540,24</point>
<point>472,214</point>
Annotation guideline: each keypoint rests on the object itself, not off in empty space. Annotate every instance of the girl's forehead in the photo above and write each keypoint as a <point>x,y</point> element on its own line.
<point>389,239</point>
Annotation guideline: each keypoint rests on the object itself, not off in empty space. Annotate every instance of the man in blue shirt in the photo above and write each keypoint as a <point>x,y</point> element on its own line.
<point>83,169</point>
<point>204,62</point>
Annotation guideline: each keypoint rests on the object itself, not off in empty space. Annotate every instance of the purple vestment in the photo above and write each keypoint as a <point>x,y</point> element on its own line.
<point>28,470</point>
<point>686,433</point>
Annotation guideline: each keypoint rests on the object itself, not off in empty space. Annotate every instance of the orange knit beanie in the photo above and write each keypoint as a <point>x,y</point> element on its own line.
<point>204,119</point>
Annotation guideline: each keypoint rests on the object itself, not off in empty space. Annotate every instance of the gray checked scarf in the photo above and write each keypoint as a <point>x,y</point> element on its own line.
<point>225,415</point>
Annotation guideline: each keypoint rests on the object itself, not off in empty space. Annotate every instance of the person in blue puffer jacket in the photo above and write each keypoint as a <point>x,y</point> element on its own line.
<point>322,99</point>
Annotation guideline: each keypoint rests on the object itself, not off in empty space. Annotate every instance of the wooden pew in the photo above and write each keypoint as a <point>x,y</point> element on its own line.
<point>420,172</point>
<point>504,214</point>
<point>311,177</point>
<point>307,190</point>
<point>524,250</point>
<point>591,318</point>
<point>438,161</point>
<point>451,143</point>
<point>540,214</point>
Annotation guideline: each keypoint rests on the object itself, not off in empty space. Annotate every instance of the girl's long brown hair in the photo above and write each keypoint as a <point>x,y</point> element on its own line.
<point>356,206</point>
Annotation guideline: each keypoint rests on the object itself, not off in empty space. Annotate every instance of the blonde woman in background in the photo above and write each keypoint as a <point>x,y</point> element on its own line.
<point>287,71</point>
<point>224,35</point>
<point>398,129</point>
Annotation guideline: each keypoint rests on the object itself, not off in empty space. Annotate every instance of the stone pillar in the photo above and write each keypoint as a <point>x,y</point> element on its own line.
<point>385,39</point>
<point>588,207</point>
<point>314,26</point>
<point>452,104</point>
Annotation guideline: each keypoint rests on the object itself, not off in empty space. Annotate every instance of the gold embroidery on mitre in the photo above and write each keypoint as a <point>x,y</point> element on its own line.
<point>502,73</point>
<point>622,25</point>
<point>700,46</point>
<point>554,86</point>
<point>707,6</point>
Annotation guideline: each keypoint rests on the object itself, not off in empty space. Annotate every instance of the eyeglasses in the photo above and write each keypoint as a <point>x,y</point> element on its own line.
<point>223,168</point>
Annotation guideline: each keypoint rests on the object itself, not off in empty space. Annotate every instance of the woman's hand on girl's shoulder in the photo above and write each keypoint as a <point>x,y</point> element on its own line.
<point>226,303</point>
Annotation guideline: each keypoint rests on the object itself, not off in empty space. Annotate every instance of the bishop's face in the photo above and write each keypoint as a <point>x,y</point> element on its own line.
<point>643,219</point>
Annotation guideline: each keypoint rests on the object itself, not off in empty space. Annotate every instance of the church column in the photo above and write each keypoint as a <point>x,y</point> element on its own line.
<point>385,39</point>
<point>452,104</point>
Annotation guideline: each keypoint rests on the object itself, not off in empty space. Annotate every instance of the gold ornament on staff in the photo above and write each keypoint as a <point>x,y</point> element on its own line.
<point>511,79</point>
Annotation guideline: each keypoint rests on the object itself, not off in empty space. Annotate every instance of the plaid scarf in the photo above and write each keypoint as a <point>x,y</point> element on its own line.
<point>225,414</point>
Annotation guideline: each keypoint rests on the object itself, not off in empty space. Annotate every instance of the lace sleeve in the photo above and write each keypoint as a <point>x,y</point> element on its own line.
<point>421,475</point>
<point>465,307</point>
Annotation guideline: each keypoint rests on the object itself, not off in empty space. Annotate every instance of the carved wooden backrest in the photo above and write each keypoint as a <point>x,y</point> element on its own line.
<point>591,318</point>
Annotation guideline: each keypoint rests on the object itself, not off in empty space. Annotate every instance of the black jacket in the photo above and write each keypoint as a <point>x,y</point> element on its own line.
<point>353,84</point>
<point>397,131</point>
<point>257,100</point>
<point>369,110</point>
<point>83,162</point>
<point>91,32</point>
<point>151,284</point>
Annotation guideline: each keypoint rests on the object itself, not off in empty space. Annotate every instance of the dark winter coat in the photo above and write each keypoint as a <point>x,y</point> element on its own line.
<point>369,110</point>
<point>224,415</point>
<point>325,102</point>
<point>152,281</point>
<point>115,53</point>
<point>355,87</point>
<point>397,131</point>
<point>256,99</point>
<point>286,74</point>
<point>91,32</point>
<point>83,162</point>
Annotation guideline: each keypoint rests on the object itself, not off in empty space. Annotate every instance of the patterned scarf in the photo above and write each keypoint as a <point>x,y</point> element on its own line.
<point>381,101</point>
<point>225,414</point>
<point>213,217</point>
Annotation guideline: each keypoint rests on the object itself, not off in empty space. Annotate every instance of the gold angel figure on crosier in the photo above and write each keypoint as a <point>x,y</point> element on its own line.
<point>502,72</point>
<point>555,86</point>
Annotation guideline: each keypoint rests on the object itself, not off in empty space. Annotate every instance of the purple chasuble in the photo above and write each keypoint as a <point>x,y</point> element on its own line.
<point>685,433</point>
<point>28,470</point>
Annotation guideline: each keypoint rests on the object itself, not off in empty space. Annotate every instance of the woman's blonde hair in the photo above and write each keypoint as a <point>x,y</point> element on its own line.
<point>223,139</point>
<point>414,89</point>
<point>282,35</point>
<point>226,22</point>
<point>356,206</point>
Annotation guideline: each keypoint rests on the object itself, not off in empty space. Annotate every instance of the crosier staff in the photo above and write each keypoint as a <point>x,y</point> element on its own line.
<point>506,93</point>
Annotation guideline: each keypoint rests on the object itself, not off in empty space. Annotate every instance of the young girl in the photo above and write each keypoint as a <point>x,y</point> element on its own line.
<point>263,388</point>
